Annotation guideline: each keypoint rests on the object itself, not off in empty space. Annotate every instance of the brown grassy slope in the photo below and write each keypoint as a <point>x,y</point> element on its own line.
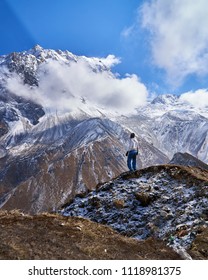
<point>199,248</point>
<point>48,236</point>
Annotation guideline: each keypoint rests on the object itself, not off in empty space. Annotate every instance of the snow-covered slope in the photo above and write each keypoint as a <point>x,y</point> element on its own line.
<point>172,126</point>
<point>169,102</point>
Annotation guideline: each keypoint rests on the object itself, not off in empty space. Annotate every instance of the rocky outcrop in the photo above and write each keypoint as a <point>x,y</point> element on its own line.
<point>168,202</point>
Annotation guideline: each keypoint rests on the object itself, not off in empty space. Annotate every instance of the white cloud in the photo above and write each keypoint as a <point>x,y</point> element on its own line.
<point>128,31</point>
<point>178,36</point>
<point>61,87</point>
<point>110,61</point>
<point>197,98</point>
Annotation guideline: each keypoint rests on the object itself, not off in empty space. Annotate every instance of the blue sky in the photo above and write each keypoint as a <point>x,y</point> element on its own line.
<point>165,43</point>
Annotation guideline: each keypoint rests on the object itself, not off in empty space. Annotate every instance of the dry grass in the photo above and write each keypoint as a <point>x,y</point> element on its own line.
<point>49,236</point>
<point>199,248</point>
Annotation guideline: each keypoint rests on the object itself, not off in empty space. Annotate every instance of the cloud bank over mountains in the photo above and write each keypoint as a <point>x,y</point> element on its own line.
<point>63,87</point>
<point>198,98</point>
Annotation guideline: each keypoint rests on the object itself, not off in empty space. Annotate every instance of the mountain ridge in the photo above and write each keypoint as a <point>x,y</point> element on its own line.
<point>186,159</point>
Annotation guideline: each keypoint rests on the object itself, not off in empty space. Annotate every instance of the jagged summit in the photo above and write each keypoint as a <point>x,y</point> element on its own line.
<point>36,50</point>
<point>32,59</point>
<point>165,99</point>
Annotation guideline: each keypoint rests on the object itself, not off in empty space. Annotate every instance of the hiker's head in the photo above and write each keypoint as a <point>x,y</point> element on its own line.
<point>132,135</point>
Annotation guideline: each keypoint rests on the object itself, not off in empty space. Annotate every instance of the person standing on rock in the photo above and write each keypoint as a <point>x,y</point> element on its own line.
<point>132,152</point>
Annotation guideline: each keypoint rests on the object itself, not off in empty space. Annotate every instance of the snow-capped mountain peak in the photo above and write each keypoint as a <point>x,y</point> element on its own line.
<point>165,99</point>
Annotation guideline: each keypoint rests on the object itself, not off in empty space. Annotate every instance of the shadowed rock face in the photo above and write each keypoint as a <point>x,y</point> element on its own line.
<point>14,108</point>
<point>25,65</point>
<point>186,159</point>
<point>3,128</point>
<point>168,202</point>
